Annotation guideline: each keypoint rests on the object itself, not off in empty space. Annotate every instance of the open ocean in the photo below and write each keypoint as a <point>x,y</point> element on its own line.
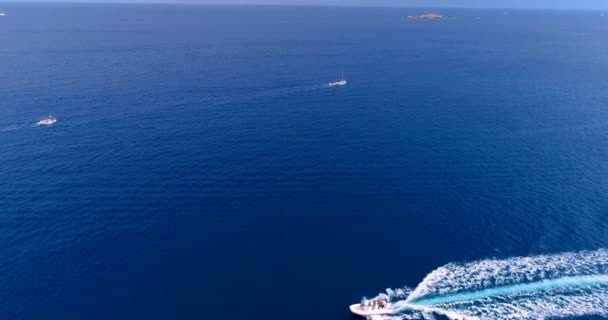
<point>200,169</point>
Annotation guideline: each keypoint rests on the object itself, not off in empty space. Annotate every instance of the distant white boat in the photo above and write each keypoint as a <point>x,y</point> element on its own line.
<point>2,13</point>
<point>339,82</point>
<point>47,121</point>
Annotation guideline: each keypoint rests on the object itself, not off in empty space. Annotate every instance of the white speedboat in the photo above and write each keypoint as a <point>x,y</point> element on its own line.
<point>2,13</point>
<point>369,308</point>
<point>47,121</point>
<point>339,82</point>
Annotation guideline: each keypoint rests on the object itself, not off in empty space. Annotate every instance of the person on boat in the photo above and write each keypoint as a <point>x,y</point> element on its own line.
<point>381,304</point>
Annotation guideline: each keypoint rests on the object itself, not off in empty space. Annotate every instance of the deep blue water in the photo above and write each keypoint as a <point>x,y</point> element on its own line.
<point>200,170</point>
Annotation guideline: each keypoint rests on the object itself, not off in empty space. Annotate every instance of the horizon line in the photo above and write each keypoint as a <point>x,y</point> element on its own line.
<point>355,5</point>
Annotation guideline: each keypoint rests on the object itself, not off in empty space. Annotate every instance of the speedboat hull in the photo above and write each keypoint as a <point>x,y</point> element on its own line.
<point>356,309</point>
<point>46,122</point>
<point>337,83</point>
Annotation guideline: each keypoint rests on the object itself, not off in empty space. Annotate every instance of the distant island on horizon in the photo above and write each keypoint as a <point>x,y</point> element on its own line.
<point>428,16</point>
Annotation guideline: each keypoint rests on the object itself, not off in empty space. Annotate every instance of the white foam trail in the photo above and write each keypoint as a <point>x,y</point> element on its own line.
<point>483,274</point>
<point>11,128</point>
<point>17,127</point>
<point>538,287</point>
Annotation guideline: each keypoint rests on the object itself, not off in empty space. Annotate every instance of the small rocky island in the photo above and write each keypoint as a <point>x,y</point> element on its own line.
<point>428,16</point>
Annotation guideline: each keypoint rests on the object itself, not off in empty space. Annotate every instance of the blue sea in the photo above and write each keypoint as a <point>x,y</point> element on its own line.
<point>201,169</point>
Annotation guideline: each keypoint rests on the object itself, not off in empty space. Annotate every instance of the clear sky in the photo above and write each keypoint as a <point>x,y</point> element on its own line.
<point>549,4</point>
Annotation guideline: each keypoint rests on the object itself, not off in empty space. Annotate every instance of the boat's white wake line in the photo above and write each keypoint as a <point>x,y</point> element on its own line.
<point>245,97</point>
<point>453,278</point>
<point>17,127</point>
<point>539,287</point>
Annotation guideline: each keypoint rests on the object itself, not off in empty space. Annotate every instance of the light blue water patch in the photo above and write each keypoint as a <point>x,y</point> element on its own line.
<point>545,285</point>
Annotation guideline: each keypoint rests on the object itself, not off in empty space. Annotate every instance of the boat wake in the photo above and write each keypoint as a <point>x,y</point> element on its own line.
<point>538,287</point>
<point>280,92</point>
<point>17,127</point>
<point>245,97</point>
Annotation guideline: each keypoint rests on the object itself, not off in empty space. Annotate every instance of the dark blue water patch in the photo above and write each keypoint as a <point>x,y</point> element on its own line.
<point>199,168</point>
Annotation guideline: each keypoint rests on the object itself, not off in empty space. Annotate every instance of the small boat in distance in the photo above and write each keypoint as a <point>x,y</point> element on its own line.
<point>2,13</point>
<point>373,307</point>
<point>47,121</point>
<point>339,82</point>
